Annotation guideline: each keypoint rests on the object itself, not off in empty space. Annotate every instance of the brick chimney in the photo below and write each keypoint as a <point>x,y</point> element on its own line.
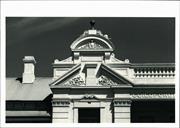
<point>29,65</point>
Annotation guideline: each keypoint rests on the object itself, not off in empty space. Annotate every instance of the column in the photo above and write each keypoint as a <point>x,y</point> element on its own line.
<point>102,115</point>
<point>106,112</point>
<point>75,116</point>
<point>60,111</point>
<point>122,112</point>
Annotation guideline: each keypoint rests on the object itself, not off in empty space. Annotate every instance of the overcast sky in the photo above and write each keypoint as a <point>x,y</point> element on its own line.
<point>141,40</point>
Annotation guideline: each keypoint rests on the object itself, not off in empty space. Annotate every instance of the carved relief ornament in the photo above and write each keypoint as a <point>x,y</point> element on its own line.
<point>76,81</point>
<point>103,80</point>
<point>91,45</point>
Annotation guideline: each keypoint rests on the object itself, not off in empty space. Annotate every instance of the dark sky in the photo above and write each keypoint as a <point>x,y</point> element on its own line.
<point>141,40</point>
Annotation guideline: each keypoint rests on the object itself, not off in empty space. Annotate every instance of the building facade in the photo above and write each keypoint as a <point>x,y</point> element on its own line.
<point>93,86</point>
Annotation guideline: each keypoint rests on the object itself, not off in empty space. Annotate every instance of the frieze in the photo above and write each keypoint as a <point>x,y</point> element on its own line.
<point>60,103</point>
<point>122,103</point>
<point>153,96</point>
<point>103,80</point>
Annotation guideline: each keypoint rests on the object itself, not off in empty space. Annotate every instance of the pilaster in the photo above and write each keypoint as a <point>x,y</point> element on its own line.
<point>122,110</point>
<point>61,111</point>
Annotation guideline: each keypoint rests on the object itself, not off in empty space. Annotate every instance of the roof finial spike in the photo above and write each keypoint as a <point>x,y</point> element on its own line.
<point>92,23</point>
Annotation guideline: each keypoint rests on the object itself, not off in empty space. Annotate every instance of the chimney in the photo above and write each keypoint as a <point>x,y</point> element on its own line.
<point>28,74</point>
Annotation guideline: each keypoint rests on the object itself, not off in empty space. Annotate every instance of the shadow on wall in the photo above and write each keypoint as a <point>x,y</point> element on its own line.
<point>153,111</point>
<point>29,111</point>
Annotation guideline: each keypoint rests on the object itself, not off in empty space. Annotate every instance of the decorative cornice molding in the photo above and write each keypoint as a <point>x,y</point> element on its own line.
<point>122,103</point>
<point>65,75</point>
<point>69,59</point>
<point>60,103</point>
<point>87,96</point>
<point>152,96</point>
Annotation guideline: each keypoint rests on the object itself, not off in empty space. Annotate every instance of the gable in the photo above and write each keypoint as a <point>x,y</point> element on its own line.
<point>115,76</point>
<point>66,76</point>
<point>102,76</point>
<point>76,80</point>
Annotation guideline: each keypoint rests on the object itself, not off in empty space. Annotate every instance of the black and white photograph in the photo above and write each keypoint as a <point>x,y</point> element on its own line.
<point>76,69</point>
<point>90,70</point>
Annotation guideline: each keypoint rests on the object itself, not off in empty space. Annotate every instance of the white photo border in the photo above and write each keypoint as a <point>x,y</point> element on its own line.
<point>87,9</point>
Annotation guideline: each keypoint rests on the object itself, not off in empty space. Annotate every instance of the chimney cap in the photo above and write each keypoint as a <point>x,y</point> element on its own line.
<point>29,59</point>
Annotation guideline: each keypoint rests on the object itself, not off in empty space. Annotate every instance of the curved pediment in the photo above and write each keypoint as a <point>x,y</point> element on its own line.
<point>93,42</point>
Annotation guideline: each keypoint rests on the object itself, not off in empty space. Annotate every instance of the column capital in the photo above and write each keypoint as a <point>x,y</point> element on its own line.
<point>122,103</point>
<point>60,103</point>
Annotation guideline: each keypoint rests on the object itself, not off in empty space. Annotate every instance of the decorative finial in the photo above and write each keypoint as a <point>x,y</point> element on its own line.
<point>92,23</point>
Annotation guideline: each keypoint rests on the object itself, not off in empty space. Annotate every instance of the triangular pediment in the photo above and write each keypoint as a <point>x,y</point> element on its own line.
<point>68,77</point>
<point>107,76</point>
<point>104,76</point>
<point>76,80</point>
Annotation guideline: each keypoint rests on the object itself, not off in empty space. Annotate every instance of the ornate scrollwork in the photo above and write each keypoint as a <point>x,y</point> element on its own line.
<point>103,80</point>
<point>91,45</point>
<point>89,97</point>
<point>76,81</point>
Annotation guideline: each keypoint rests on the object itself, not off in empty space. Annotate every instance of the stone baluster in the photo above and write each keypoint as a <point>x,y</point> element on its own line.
<point>140,73</point>
<point>168,72</point>
<point>153,73</point>
<point>137,73</point>
<point>149,73</point>
<point>171,73</point>
<point>145,73</point>
<point>163,72</point>
<point>156,73</point>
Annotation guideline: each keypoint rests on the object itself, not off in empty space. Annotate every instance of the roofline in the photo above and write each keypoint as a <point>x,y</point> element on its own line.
<point>76,67</point>
<point>92,87</point>
<point>142,65</point>
<point>106,67</point>
<point>64,65</point>
<point>76,42</point>
<point>153,64</point>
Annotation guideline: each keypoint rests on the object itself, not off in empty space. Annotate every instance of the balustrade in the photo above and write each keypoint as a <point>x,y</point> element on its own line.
<point>154,72</point>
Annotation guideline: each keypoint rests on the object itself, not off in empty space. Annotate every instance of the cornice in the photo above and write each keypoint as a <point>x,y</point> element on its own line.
<point>60,103</point>
<point>122,103</point>
<point>152,96</point>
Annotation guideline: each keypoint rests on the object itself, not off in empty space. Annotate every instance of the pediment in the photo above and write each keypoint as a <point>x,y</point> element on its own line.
<point>71,80</point>
<point>108,77</point>
<point>107,81</point>
<point>104,76</point>
<point>91,45</point>
<point>92,42</point>
<point>69,77</point>
<point>77,80</point>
